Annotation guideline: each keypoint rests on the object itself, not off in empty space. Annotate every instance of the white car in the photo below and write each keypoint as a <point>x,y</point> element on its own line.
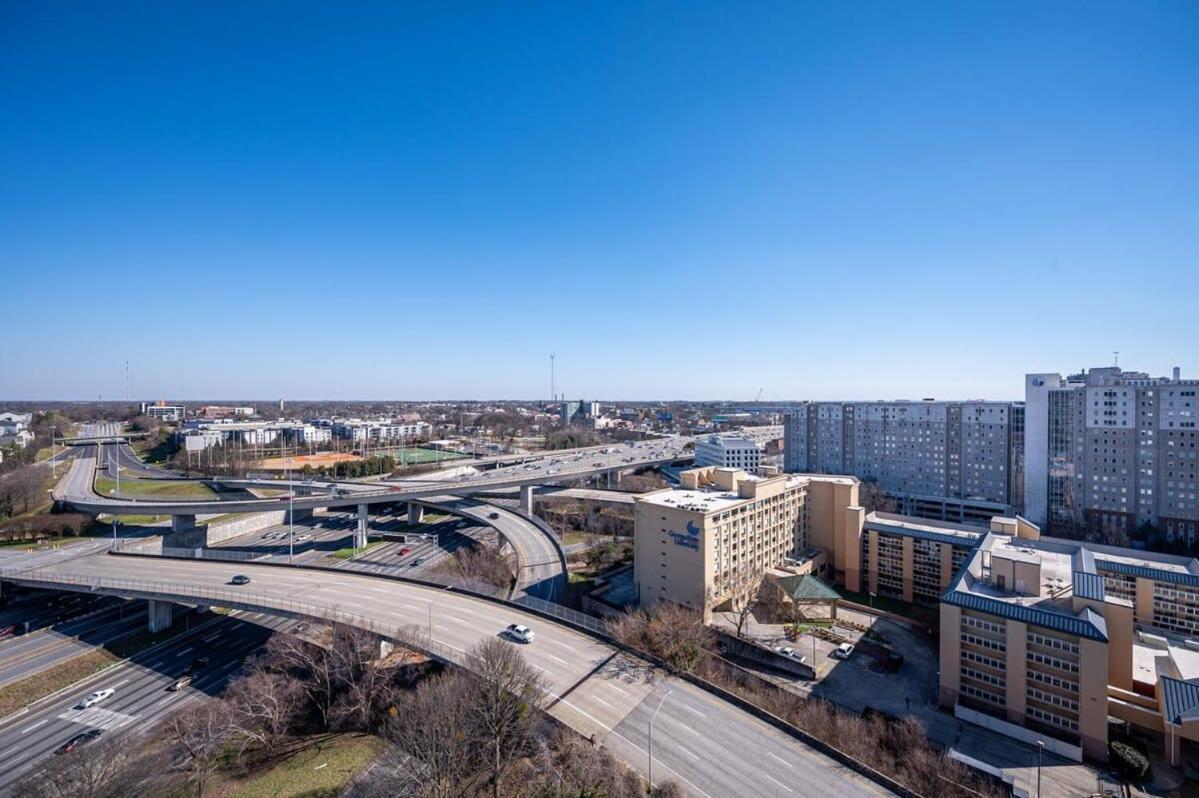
<point>520,633</point>
<point>787,651</point>
<point>843,651</point>
<point>97,697</point>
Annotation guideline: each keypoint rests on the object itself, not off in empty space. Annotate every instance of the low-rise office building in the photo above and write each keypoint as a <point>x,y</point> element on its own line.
<point>728,451</point>
<point>161,410</point>
<point>695,543</point>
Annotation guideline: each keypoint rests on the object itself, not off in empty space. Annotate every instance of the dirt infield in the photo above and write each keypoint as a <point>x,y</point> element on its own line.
<point>314,460</point>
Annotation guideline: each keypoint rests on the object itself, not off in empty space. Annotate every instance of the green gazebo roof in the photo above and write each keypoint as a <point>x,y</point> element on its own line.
<point>807,588</point>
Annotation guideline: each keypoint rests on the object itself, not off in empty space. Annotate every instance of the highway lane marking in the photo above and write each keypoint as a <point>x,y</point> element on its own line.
<point>166,699</point>
<point>9,751</point>
<point>30,728</point>
<point>456,619</point>
<point>210,638</point>
<point>688,753</point>
<point>779,758</point>
<point>696,711</point>
<point>123,681</point>
<point>558,659</point>
<point>602,701</point>
<point>779,783</point>
<point>184,651</point>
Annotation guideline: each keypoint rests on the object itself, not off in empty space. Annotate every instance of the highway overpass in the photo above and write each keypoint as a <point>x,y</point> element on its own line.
<point>708,745</point>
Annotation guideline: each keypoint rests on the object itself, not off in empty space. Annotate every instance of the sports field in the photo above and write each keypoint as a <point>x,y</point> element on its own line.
<point>314,460</point>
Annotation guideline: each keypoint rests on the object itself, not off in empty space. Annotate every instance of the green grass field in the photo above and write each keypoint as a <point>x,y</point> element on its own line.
<point>322,769</point>
<point>418,456</point>
<point>154,488</point>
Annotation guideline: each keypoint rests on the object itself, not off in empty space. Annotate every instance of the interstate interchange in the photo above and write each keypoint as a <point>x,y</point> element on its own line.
<point>707,745</point>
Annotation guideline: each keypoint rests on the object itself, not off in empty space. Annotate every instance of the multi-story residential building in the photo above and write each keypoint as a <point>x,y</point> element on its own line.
<point>950,460</point>
<point>694,543</point>
<point>1113,450</point>
<point>374,432</point>
<point>908,558</point>
<point>224,411</point>
<point>728,451</point>
<point>12,423</point>
<point>1046,639</point>
<point>578,407</point>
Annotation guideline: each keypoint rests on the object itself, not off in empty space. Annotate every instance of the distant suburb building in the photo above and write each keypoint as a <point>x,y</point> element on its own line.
<point>162,410</point>
<point>693,543</point>
<point>728,451</point>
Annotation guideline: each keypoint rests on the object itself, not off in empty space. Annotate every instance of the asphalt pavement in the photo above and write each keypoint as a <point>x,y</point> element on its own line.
<point>594,688</point>
<point>26,655</point>
<point>141,699</point>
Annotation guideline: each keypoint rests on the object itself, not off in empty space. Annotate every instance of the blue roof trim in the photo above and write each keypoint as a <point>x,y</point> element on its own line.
<point>920,534</point>
<point>1145,572</point>
<point>1089,586</point>
<point>1089,625</point>
<point>1178,697</point>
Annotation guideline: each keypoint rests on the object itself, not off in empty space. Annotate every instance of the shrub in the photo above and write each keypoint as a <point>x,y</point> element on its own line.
<point>1128,761</point>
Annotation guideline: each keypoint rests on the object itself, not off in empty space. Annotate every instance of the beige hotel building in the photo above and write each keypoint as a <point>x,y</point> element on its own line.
<point>1042,639</point>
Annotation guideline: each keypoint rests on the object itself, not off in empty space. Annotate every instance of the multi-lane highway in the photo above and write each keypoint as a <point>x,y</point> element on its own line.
<point>110,620</point>
<point>76,490</point>
<point>141,698</point>
<point>595,689</point>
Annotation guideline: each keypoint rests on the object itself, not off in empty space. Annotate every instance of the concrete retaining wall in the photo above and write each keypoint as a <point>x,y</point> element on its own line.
<point>253,522</point>
<point>764,656</point>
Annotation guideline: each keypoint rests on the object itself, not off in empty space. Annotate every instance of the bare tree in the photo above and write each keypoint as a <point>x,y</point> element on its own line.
<point>671,632</point>
<point>109,768</point>
<point>503,705</point>
<point>432,726</point>
<point>743,597</point>
<point>263,707</point>
<point>873,498</point>
<point>198,737</point>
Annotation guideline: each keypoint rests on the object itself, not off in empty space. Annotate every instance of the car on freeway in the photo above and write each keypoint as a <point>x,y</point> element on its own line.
<point>843,651</point>
<point>199,663</point>
<point>96,697</point>
<point>405,551</point>
<point>8,631</point>
<point>81,739</point>
<point>417,562</point>
<point>240,579</point>
<point>493,515</point>
<point>180,683</point>
<point>520,633</point>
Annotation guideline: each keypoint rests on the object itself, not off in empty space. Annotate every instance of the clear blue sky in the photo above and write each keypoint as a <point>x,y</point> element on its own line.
<point>823,200</point>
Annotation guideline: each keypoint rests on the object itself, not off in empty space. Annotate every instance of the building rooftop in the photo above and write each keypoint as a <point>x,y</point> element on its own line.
<point>910,526</point>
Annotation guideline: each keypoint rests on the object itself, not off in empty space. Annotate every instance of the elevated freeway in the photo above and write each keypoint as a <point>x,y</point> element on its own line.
<point>709,746</point>
<point>76,490</point>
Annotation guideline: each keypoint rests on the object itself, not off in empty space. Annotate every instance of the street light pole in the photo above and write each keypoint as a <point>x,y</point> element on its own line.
<point>649,746</point>
<point>1040,748</point>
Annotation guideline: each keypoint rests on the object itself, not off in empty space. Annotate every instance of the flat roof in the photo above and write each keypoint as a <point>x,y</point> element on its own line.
<point>911,526</point>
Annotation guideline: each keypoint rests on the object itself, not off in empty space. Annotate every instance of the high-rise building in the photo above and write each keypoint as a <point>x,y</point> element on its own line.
<point>959,461</point>
<point>1111,451</point>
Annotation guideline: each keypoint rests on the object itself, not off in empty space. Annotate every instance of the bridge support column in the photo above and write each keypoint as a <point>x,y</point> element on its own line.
<point>360,532</point>
<point>416,513</point>
<point>183,523</point>
<point>526,499</point>
<point>161,614</point>
<point>293,516</point>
